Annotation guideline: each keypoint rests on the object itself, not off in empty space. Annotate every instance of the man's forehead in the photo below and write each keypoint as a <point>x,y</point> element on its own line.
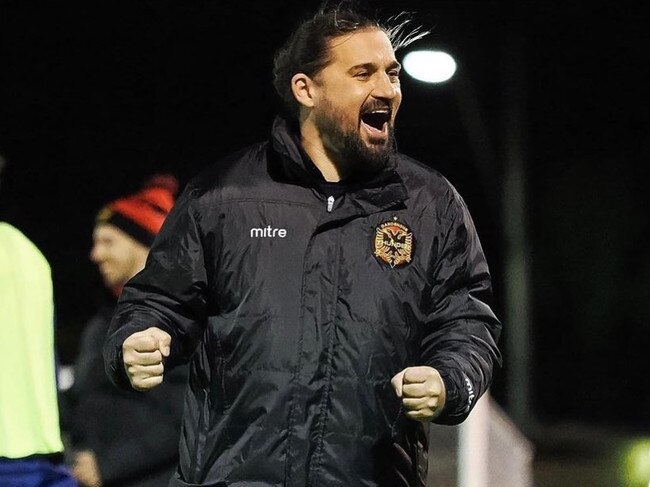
<point>107,231</point>
<point>365,46</point>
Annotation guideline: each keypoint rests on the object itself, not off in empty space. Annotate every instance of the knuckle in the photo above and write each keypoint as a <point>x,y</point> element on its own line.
<point>148,342</point>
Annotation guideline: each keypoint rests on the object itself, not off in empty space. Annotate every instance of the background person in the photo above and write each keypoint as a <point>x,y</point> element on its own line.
<point>120,438</point>
<point>31,449</point>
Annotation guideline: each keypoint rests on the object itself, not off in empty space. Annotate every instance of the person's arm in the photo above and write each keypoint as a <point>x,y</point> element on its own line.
<point>151,452</point>
<point>459,347</point>
<point>151,447</point>
<point>168,298</point>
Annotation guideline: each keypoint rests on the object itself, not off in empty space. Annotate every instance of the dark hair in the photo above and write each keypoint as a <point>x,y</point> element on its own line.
<point>307,51</point>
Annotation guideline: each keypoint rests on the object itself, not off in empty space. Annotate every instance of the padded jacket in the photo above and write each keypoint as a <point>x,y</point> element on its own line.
<point>295,309</point>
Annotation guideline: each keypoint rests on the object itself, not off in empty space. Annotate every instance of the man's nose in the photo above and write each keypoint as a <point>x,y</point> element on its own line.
<point>385,88</point>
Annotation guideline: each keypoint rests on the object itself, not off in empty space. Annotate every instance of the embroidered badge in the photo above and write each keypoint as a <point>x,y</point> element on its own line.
<point>393,243</point>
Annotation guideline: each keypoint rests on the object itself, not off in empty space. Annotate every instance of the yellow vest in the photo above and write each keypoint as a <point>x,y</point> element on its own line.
<point>29,415</point>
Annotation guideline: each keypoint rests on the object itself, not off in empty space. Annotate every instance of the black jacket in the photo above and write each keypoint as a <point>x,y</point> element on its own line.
<point>134,436</point>
<point>300,317</point>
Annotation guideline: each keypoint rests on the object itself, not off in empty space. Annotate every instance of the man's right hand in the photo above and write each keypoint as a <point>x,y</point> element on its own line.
<point>143,354</point>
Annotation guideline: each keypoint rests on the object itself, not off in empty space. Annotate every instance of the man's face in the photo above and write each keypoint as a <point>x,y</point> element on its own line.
<point>358,95</point>
<point>117,255</point>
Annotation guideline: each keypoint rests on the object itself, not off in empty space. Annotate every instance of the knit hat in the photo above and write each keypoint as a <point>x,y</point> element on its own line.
<point>141,215</point>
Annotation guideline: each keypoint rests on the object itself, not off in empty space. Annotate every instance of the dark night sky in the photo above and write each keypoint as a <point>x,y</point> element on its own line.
<point>95,96</point>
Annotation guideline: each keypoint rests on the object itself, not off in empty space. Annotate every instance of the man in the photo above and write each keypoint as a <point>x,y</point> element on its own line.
<point>123,439</point>
<point>31,450</point>
<point>329,291</point>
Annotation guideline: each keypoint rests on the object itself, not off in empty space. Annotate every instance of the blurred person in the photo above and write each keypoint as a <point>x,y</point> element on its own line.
<point>123,439</point>
<point>31,448</point>
<point>330,292</point>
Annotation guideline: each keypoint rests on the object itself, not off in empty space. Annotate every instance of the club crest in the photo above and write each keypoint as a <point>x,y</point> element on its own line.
<point>393,244</point>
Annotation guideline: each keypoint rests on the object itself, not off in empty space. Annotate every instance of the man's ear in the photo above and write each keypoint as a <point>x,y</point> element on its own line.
<point>302,87</point>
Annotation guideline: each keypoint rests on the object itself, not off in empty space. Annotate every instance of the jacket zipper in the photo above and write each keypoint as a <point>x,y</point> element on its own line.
<point>321,425</point>
<point>330,204</point>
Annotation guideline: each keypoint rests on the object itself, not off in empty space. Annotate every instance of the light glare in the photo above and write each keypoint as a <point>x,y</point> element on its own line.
<point>637,463</point>
<point>429,66</point>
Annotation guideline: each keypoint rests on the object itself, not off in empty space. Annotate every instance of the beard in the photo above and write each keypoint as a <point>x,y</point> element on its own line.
<point>354,159</point>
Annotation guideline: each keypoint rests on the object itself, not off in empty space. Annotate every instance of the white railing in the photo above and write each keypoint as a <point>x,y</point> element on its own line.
<point>487,450</point>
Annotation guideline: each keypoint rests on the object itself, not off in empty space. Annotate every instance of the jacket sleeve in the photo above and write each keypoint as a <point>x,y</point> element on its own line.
<point>169,293</point>
<point>461,331</point>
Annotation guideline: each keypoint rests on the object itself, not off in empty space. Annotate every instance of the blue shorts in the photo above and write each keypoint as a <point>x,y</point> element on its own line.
<point>34,473</point>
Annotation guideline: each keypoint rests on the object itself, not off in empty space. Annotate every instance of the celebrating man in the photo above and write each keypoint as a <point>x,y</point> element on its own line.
<point>330,292</point>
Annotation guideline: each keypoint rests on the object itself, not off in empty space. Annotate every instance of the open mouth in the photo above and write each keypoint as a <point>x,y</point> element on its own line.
<point>376,121</point>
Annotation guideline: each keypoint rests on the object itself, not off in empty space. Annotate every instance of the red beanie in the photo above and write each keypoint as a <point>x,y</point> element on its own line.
<point>141,215</point>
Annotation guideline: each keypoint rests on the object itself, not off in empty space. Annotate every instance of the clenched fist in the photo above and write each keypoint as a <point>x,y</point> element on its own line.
<point>422,392</point>
<point>143,354</point>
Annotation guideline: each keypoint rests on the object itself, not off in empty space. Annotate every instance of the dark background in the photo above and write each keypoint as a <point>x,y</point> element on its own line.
<point>96,96</point>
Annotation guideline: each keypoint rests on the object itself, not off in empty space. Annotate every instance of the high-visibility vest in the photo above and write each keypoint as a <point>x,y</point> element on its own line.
<point>29,415</point>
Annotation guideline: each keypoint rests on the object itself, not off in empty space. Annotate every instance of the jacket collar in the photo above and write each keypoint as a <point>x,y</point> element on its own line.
<point>380,191</point>
<point>294,164</point>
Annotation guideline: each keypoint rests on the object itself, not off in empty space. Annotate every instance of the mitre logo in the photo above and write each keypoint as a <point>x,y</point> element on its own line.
<point>268,231</point>
<point>393,243</point>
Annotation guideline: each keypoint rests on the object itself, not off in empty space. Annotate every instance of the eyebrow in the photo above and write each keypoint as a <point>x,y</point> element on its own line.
<point>373,66</point>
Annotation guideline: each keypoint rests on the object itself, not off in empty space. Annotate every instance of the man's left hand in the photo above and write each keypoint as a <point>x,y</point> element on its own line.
<point>422,392</point>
